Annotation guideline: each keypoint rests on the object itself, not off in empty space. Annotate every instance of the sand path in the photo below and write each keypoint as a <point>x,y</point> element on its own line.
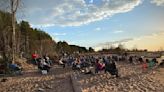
<point>58,80</point>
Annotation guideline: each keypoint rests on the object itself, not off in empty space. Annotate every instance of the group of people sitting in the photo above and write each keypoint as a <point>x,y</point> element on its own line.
<point>103,63</point>
<point>44,63</point>
<point>107,64</point>
<point>149,64</point>
<point>86,64</point>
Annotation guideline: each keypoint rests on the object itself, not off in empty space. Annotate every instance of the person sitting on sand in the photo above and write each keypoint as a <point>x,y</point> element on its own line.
<point>151,63</point>
<point>144,65</point>
<point>88,70</point>
<point>61,62</point>
<point>98,66</point>
<point>16,68</point>
<point>111,68</point>
<point>140,60</point>
<point>44,66</point>
<point>76,65</point>
<point>35,56</point>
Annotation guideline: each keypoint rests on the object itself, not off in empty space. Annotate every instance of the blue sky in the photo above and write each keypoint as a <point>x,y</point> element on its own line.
<point>99,22</point>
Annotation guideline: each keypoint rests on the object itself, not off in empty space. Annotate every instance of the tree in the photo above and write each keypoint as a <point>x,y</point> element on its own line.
<point>121,46</point>
<point>29,39</point>
<point>14,6</point>
<point>5,34</point>
<point>24,31</point>
<point>91,49</point>
<point>145,50</point>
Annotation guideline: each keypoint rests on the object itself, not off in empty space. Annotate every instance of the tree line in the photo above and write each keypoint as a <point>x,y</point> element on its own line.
<point>30,40</point>
<point>63,47</point>
<point>121,49</point>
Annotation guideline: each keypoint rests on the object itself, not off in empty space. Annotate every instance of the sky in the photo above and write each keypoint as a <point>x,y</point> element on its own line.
<point>99,23</point>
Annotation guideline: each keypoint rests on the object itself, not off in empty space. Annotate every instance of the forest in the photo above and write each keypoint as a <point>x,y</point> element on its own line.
<point>31,40</point>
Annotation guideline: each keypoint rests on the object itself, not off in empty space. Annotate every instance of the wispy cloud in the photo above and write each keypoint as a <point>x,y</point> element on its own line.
<point>56,39</point>
<point>114,42</point>
<point>108,44</point>
<point>118,31</point>
<point>59,34</point>
<point>158,2</point>
<point>91,1</point>
<point>73,12</point>
<point>153,41</point>
<point>97,29</point>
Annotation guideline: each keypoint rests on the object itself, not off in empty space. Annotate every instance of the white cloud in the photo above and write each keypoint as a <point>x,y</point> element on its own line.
<point>91,1</point>
<point>73,12</point>
<point>118,31</point>
<point>55,38</point>
<point>97,48</point>
<point>71,43</point>
<point>98,29</point>
<point>151,42</point>
<point>158,2</point>
<point>59,34</point>
<point>113,43</point>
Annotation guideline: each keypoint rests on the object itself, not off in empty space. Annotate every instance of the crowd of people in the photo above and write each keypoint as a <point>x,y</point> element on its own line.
<point>106,63</point>
<point>43,63</point>
<point>87,63</point>
<point>90,64</point>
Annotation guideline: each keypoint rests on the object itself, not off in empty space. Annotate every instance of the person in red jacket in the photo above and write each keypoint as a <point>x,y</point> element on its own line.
<point>34,57</point>
<point>98,66</point>
<point>145,65</point>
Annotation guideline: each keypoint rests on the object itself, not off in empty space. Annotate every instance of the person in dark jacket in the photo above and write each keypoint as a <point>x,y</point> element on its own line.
<point>42,65</point>
<point>111,68</point>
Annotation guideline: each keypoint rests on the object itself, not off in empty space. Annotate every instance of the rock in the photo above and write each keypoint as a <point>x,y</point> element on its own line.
<point>131,87</point>
<point>135,85</point>
<point>36,85</point>
<point>49,86</point>
<point>153,72</point>
<point>40,89</point>
<point>4,80</point>
<point>51,82</point>
<point>151,87</point>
